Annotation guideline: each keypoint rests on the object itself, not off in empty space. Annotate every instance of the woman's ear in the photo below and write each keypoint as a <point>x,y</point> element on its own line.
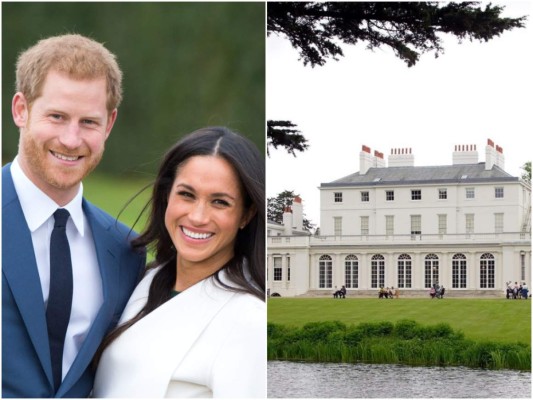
<point>248,215</point>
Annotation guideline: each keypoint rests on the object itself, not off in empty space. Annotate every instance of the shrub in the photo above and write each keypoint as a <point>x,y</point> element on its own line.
<point>319,331</point>
<point>369,329</point>
<point>406,329</point>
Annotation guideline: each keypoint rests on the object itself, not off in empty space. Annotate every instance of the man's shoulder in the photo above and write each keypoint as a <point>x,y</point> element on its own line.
<point>111,224</point>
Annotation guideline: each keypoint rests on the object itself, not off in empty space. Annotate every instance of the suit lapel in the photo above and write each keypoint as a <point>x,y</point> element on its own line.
<point>20,270</point>
<point>106,252</point>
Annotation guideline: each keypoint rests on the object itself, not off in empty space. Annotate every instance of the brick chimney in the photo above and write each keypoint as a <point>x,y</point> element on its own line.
<point>401,157</point>
<point>287,220</point>
<point>465,154</point>
<point>379,160</point>
<point>490,155</point>
<point>366,160</point>
<point>297,214</point>
<point>500,159</point>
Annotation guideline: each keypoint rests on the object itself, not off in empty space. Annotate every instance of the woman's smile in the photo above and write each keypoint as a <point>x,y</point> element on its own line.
<point>196,235</point>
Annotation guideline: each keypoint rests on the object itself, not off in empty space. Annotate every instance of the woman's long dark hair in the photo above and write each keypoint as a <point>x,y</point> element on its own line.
<point>249,165</point>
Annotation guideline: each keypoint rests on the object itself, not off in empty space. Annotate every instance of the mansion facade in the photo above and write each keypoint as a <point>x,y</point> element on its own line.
<point>465,226</point>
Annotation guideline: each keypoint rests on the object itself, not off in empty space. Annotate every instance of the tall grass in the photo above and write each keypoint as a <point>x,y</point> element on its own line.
<point>405,342</point>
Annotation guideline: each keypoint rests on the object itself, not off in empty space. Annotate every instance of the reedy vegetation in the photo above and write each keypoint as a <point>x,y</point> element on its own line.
<point>405,342</point>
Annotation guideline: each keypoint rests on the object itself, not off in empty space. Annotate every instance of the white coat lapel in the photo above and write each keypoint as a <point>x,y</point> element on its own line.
<point>159,342</point>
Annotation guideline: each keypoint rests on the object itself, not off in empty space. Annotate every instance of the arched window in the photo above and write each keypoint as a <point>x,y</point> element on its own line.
<point>377,271</point>
<point>431,270</point>
<point>459,271</point>
<point>486,271</point>
<point>351,271</point>
<point>404,271</point>
<point>325,272</point>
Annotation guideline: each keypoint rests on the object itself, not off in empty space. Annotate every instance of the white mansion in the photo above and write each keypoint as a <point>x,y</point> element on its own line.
<point>466,226</point>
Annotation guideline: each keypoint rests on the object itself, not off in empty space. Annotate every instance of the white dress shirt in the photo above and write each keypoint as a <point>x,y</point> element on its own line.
<point>87,296</point>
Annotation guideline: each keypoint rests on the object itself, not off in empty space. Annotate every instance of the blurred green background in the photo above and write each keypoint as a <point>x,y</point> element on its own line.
<point>185,65</point>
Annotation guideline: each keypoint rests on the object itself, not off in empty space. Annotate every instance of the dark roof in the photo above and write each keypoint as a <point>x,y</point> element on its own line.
<point>460,173</point>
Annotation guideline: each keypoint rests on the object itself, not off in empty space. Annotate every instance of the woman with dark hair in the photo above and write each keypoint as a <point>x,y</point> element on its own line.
<point>196,324</point>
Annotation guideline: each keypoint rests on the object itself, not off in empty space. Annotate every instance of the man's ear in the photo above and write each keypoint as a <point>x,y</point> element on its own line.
<point>20,110</point>
<point>248,215</point>
<point>110,122</point>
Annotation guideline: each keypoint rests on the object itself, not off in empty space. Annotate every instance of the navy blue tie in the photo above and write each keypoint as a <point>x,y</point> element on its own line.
<point>60,296</point>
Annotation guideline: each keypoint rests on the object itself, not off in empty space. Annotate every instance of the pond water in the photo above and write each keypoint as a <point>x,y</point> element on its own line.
<point>328,380</point>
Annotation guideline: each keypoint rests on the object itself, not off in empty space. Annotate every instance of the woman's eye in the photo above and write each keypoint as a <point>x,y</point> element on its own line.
<point>221,202</point>
<point>185,194</point>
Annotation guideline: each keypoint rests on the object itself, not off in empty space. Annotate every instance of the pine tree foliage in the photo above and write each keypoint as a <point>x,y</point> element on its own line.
<point>408,28</point>
<point>282,133</point>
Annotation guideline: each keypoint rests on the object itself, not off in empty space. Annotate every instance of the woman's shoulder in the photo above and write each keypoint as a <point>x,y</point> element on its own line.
<point>246,309</point>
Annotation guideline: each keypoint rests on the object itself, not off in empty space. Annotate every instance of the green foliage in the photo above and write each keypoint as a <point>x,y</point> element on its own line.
<point>373,329</point>
<point>405,342</point>
<point>526,175</point>
<point>186,65</point>
<point>408,28</point>
<point>320,331</point>
<point>281,133</point>
<point>276,206</point>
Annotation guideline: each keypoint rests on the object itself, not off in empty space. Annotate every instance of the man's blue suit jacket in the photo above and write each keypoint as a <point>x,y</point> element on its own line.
<point>26,366</point>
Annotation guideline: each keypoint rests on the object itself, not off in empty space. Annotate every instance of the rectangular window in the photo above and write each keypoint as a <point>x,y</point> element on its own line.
<point>443,224</point>
<point>377,274</point>
<point>389,224</point>
<point>364,225</point>
<point>443,194</point>
<point>337,221</point>
<point>523,265</point>
<point>389,195</point>
<point>498,222</point>
<point>277,269</point>
<point>486,273</point>
<point>351,274</point>
<point>325,277</point>
<point>288,269</point>
<point>338,197</point>
<point>365,196</point>
<point>416,194</point>
<point>469,223</point>
<point>498,192</point>
<point>470,193</point>
<point>416,224</point>
<point>459,272</point>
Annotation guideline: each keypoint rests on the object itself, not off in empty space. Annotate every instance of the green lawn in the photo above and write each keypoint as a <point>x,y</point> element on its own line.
<point>487,319</point>
<point>113,193</point>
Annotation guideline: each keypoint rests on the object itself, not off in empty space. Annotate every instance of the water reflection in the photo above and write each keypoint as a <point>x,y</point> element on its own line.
<point>320,380</point>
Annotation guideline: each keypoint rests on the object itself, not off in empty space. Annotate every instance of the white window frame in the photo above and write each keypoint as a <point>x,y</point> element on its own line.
<point>365,222</point>
<point>337,226</point>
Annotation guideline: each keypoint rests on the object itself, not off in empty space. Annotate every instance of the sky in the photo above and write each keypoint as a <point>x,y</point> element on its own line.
<point>472,92</point>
